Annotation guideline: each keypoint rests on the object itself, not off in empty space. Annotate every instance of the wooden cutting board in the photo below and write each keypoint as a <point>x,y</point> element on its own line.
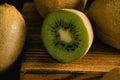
<point>37,63</point>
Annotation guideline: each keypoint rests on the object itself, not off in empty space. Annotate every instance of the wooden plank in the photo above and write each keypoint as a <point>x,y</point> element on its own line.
<point>100,58</point>
<point>80,76</point>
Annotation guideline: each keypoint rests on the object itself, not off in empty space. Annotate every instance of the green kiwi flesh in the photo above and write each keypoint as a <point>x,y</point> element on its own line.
<point>65,35</point>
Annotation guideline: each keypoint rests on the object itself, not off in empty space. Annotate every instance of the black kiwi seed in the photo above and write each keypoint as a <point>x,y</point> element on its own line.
<point>67,26</point>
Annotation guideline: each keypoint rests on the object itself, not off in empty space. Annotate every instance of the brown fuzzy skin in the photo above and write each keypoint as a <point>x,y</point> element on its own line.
<point>46,6</point>
<point>106,18</point>
<point>113,74</point>
<point>12,35</point>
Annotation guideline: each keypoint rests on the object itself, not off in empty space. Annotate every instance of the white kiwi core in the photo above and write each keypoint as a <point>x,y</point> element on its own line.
<point>65,35</point>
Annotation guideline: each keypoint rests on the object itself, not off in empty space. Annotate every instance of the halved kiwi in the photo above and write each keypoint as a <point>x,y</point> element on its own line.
<point>67,34</point>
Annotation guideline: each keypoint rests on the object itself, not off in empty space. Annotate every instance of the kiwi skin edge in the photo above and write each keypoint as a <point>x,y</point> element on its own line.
<point>88,29</point>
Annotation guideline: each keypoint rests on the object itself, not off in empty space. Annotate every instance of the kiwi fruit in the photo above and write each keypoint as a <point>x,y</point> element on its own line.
<point>17,3</point>
<point>113,74</point>
<point>44,7</point>
<point>106,21</point>
<point>12,35</point>
<point>67,34</point>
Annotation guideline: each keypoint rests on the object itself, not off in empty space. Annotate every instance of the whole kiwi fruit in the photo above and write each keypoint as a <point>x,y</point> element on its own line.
<point>17,3</point>
<point>12,35</point>
<point>67,34</point>
<point>46,6</point>
<point>113,74</point>
<point>105,16</point>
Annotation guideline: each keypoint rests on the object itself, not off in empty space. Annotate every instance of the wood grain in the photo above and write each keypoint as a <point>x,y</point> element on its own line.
<point>36,61</point>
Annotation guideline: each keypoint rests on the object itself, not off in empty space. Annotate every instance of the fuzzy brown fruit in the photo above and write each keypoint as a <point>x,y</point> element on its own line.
<point>106,20</point>
<point>12,35</point>
<point>113,74</point>
<point>46,6</point>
